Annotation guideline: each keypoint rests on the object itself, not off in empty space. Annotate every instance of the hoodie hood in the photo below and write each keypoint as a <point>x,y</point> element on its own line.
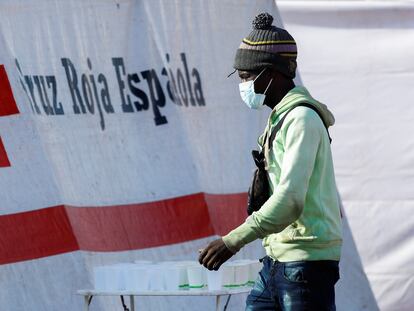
<point>294,97</point>
<point>298,95</point>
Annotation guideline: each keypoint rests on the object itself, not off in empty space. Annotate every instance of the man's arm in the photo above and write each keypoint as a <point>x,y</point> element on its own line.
<point>302,134</point>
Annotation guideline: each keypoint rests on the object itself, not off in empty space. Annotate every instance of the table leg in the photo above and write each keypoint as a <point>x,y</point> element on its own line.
<point>218,298</point>
<point>132,302</point>
<point>227,303</point>
<point>86,302</point>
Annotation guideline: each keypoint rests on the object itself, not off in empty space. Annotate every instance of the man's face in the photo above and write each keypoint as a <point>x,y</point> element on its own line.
<point>261,83</point>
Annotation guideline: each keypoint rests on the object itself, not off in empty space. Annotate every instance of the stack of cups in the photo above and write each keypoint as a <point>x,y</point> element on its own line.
<point>234,274</point>
<point>138,278</point>
<point>253,271</point>
<point>215,279</point>
<point>255,267</point>
<point>241,273</point>
<point>196,276</point>
<point>101,278</point>
<point>228,274</point>
<point>111,278</point>
<point>174,275</point>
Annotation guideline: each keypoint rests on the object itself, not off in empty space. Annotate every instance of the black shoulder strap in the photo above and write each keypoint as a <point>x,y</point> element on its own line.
<point>280,123</point>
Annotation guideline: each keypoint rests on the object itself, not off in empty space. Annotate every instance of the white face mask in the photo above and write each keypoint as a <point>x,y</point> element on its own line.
<point>253,100</point>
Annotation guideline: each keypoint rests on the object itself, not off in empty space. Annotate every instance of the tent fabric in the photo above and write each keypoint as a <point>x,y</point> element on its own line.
<point>122,139</point>
<point>355,57</point>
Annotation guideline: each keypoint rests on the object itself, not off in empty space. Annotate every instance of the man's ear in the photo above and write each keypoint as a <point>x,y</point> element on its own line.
<point>273,73</point>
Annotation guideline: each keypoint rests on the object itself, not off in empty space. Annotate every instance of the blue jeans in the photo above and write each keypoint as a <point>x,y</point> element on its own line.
<point>294,286</point>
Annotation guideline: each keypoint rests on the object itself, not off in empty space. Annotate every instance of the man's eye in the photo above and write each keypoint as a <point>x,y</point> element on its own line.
<point>245,77</point>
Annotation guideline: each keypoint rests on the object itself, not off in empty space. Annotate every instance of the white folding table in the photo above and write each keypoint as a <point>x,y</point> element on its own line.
<point>89,294</point>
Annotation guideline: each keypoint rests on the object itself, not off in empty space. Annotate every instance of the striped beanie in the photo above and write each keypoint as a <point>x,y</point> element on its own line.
<point>267,46</point>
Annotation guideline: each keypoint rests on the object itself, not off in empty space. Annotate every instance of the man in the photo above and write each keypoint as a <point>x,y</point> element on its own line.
<point>300,223</point>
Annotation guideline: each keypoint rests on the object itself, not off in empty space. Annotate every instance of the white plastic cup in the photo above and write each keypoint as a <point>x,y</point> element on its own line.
<point>171,277</point>
<point>183,274</point>
<point>255,266</point>
<point>100,276</point>
<point>254,269</point>
<point>227,275</point>
<point>241,273</point>
<point>110,278</point>
<point>138,278</point>
<point>215,279</point>
<point>180,268</point>
<point>156,276</point>
<point>116,276</point>
<point>196,277</point>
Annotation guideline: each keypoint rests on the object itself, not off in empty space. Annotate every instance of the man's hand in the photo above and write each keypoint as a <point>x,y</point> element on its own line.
<point>214,255</point>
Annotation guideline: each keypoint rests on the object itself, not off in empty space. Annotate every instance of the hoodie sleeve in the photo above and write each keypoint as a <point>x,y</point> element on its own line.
<point>301,135</point>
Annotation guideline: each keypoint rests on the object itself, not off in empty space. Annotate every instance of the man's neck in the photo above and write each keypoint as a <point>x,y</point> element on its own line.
<point>286,88</point>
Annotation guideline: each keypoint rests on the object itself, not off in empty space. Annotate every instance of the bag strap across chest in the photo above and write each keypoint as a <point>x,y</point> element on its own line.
<point>280,123</point>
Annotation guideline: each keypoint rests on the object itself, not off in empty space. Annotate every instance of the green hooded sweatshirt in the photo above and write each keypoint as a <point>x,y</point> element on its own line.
<point>301,220</point>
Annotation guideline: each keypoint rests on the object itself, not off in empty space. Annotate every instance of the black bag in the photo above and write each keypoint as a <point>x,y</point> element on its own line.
<point>259,191</point>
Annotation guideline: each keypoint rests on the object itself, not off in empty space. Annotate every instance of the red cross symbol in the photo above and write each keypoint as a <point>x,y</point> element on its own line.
<point>7,107</point>
<point>4,160</point>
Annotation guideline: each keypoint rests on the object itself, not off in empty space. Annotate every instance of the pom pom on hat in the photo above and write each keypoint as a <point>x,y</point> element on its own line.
<point>263,21</point>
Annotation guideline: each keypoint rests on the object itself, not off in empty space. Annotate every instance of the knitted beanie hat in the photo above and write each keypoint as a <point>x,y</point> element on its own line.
<point>267,46</point>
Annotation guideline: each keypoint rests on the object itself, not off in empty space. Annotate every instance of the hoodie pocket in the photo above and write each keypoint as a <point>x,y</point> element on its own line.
<point>293,234</point>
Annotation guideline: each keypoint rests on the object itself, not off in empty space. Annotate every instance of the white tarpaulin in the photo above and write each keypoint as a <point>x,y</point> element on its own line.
<point>122,139</point>
<point>357,58</point>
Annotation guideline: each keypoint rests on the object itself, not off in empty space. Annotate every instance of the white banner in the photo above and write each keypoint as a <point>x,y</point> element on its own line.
<point>126,135</point>
<point>356,57</point>
<point>121,136</point>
